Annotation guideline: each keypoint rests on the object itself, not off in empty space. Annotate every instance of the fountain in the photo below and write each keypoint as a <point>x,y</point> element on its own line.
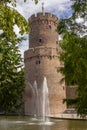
<point>32,89</point>
<point>41,102</point>
<point>36,97</point>
<point>45,101</point>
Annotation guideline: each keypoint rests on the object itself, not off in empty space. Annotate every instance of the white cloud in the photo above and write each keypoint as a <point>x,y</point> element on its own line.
<point>79,20</point>
<point>58,7</point>
<point>1,31</point>
<point>16,30</point>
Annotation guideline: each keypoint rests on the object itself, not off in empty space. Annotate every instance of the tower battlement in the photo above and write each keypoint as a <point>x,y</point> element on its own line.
<point>43,30</point>
<point>40,51</point>
<point>44,17</point>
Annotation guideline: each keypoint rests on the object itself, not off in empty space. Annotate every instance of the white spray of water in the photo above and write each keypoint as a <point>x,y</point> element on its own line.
<point>32,89</point>
<point>45,101</point>
<point>42,107</point>
<point>36,98</point>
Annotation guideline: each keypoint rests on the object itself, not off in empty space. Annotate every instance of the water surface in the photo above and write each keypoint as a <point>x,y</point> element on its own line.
<point>26,123</point>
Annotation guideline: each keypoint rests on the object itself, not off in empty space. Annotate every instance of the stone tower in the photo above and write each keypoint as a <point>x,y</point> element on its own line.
<point>41,60</point>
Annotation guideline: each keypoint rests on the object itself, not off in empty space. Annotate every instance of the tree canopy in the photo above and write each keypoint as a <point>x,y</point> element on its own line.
<point>11,78</point>
<point>74,53</point>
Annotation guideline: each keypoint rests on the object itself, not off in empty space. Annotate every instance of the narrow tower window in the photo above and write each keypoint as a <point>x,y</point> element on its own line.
<point>49,26</point>
<point>40,40</point>
<point>38,62</point>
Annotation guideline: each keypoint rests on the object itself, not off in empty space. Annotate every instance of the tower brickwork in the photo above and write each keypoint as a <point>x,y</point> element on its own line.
<point>41,60</point>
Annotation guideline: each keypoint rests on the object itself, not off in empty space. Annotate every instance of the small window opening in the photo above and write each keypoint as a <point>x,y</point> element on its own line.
<point>50,26</point>
<point>30,57</point>
<point>50,57</point>
<point>38,62</point>
<point>56,42</point>
<point>40,40</point>
<point>63,88</point>
<point>30,29</point>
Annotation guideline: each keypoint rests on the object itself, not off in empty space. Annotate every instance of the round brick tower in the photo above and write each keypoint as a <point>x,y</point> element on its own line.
<point>41,60</point>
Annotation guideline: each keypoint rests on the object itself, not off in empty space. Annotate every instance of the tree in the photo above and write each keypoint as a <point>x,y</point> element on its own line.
<point>10,17</point>
<point>74,54</point>
<point>11,79</point>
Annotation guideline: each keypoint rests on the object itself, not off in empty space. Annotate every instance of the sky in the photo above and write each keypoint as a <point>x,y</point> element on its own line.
<point>61,8</point>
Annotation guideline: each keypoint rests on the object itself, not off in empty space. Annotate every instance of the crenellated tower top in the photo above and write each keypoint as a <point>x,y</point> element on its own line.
<point>43,16</point>
<point>43,32</point>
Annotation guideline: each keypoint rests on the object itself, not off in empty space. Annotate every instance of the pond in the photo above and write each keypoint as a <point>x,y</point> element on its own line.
<point>26,123</point>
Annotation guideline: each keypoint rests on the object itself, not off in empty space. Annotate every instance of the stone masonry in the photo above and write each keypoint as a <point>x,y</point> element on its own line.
<point>41,60</point>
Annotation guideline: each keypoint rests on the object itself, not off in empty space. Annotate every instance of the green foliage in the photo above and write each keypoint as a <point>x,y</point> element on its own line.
<point>79,7</point>
<point>82,100</point>
<point>69,24</point>
<point>71,102</point>
<point>36,1</point>
<point>10,17</point>
<point>11,80</point>
<point>13,2</point>
<point>74,54</point>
